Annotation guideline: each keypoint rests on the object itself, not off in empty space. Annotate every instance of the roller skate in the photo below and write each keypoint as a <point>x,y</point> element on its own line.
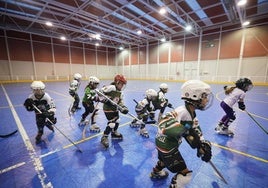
<point>105,141</point>
<point>181,180</point>
<point>117,135</point>
<point>94,128</point>
<point>144,132</point>
<point>223,130</point>
<point>159,175</point>
<point>134,124</point>
<point>71,111</point>
<point>38,139</point>
<point>83,122</point>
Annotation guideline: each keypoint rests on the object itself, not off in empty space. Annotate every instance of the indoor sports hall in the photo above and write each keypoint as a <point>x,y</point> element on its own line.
<point>52,41</point>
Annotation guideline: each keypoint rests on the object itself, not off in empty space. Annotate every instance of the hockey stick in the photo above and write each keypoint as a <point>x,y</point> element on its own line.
<point>119,107</point>
<point>58,129</point>
<point>256,122</point>
<point>8,135</point>
<point>84,130</point>
<point>217,172</point>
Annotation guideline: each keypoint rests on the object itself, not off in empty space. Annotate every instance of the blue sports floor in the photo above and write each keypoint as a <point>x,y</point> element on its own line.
<point>242,160</point>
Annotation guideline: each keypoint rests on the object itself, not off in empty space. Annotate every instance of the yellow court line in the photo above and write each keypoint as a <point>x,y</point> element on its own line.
<point>240,152</point>
<point>214,144</point>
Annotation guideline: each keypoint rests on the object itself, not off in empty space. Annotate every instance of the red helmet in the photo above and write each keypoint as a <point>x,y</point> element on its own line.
<point>120,78</point>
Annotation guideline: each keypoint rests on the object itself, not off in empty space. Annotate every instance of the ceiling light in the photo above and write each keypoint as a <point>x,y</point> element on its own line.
<point>246,23</point>
<point>241,2</point>
<point>121,48</point>
<point>63,38</point>
<point>162,10</point>
<point>139,32</point>
<point>97,36</point>
<point>163,39</point>
<point>188,28</point>
<point>49,24</point>
<point>97,44</point>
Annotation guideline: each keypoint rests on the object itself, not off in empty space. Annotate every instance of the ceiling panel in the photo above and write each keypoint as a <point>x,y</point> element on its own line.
<point>117,21</point>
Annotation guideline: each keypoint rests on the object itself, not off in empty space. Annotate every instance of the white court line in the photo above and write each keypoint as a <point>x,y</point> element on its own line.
<point>33,156</point>
<point>12,167</point>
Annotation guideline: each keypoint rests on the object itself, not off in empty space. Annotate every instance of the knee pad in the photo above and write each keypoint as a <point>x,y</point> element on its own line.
<point>111,124</point>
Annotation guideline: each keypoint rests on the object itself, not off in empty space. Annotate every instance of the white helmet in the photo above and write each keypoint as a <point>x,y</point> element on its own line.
<point>163,87</point>
<point>37,85</point>
<point>77,76</point>
<point>150,93</point>
<point>94,80</point>
<point>194,91</point>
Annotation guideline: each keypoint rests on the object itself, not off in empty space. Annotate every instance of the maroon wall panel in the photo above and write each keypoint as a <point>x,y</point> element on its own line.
<point>191,49</point>
<point>134,57</point>
<point>20,50</point>
<point>3,50</point>
<point>77,55</point>
<point>256,42</point>
<point>177,51</point>
<point>61,54</point>
<point>142,55</point>
<point>153,51</point>
<point>111,58</point>
<point>90,57</point>
<point>210,45</point>
<point>163,52</point>
<point>230,45</point>
<point>102,60</point>
<point>42,52</point>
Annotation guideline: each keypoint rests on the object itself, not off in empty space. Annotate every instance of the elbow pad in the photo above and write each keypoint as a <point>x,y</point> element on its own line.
<point>193,139</point>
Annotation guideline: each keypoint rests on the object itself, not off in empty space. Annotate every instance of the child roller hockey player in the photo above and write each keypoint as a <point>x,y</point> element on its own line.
<point>144,110</point>
<point>73,89</point>
<point>181,123</point>
<point>41,100</point>
<point>235,94</point>
<point>114,93</point>
<point>88,103</point>
<point>160,103</point>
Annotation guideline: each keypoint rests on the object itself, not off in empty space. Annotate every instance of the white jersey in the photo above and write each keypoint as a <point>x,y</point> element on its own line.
<point>74,85</point>
<point>233,97</point>
<point>183,114</point>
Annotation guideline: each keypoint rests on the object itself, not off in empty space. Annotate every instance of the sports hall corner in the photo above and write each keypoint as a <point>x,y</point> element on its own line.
<point>202,66</point>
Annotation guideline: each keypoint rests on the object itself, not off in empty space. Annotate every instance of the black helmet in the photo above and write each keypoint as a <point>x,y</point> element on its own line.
<point>244,83</point>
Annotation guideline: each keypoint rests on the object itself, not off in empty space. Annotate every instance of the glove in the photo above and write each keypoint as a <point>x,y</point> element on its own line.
<point>48,114</point>
<point>241,105</point>
<point>123,109</point>
<point>169,105</point>
<point>204,151</point>
<point>29,104</point>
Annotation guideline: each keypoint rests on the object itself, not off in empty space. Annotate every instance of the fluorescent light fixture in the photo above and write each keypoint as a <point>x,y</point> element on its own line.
<point>162,11</point>
<point>241,2</point>
<point>97,36</point>
<point>139,32</point>
<point>246,23</point>
<point>163,39</point>
<point>188,28</point>
<point>49,24</point>
<point>63,38</point>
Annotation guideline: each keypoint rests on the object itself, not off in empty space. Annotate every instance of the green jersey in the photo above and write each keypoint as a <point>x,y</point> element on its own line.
<point>115,95</point>
<point>172,127</point>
